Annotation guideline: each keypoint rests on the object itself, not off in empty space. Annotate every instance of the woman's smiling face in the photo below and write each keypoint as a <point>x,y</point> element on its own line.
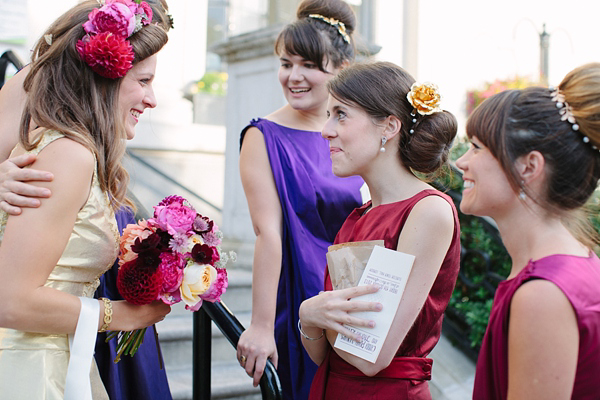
<point>487,190</point>
<point>303,83</point>
<point>136,93</point>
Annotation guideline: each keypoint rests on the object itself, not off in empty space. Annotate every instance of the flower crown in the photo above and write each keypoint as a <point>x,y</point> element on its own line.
<point>105,47</point>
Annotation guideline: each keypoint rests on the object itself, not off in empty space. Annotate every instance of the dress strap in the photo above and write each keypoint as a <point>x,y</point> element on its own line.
<point>47,138</point>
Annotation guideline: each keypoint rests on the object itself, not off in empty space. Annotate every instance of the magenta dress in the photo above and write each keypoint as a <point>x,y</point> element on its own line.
<point>407,375</point>
<point>579,279</point>
<point>314,203</point>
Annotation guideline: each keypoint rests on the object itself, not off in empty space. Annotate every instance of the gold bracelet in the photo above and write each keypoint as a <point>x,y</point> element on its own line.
<point>108,312</point>
<point>305,336</point>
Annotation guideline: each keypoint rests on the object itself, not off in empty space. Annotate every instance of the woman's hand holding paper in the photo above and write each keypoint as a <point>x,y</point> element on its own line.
<point>330,310</point>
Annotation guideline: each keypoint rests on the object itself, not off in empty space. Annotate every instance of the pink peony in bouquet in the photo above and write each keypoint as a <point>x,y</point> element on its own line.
<point>174,256</point>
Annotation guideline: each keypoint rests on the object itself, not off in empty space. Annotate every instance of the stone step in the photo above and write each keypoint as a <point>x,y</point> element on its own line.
<point>228,381</point>
<point>238,296</point>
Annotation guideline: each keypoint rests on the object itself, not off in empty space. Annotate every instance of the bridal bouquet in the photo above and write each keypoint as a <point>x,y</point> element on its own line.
<point>174,256</point>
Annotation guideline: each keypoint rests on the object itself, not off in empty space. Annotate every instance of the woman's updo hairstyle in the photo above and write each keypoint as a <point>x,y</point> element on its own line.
<point>316,40</point>
<point>380,89</point>
<point>515,122</point>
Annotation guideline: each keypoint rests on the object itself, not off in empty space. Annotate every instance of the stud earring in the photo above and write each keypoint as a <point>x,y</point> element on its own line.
<point>383,142</point>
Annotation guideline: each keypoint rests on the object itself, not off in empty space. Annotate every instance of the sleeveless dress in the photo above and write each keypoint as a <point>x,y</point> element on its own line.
<point>406,376</point>
<point>34,365</point>
<point>314,203</point>
<point>579,280</point>
<point>137,377</point>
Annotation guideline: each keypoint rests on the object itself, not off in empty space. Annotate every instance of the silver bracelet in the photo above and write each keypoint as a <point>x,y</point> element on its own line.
<point>305,336</point>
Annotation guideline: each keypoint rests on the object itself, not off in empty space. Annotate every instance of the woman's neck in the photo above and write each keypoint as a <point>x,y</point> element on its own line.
<point>306,120</point>
<point>389,182</point>
<point>529,234</point>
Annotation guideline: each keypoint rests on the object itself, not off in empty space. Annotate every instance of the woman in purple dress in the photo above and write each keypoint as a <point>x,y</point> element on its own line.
<point>296,203</point>
<point>133,377</point>
<point>533,164</point>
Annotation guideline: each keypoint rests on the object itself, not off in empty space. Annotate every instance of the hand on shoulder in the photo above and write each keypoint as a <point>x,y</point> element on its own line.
<point>72,165</point>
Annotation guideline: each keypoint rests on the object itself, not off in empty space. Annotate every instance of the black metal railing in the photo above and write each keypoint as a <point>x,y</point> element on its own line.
<point>231,328</point>
<point>8,58</point>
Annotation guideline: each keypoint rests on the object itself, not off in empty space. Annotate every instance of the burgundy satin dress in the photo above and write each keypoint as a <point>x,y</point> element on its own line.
<point>406,377</point>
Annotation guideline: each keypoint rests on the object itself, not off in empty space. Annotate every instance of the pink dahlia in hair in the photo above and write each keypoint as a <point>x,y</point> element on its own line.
<point>145,8</point>
<point>137,283</point>
<point>114,17</point>
<point>109,55</point>
<point>218,287</point>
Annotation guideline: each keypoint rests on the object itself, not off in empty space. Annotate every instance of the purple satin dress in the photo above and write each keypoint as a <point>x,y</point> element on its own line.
<point>137,377</point>
<point>314,203</point>
<point>579,279</point>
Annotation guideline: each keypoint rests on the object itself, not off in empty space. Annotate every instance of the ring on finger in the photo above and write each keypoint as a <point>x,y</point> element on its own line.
<point>243,360</point>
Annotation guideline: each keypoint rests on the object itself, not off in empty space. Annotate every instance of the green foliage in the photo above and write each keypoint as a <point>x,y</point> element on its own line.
<point>213,82</point>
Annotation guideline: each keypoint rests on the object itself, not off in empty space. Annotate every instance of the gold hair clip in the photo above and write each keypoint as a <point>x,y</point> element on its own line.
<point>339,25</point>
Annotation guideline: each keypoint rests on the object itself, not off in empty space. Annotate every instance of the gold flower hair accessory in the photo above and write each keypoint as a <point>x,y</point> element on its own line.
<point>339,25</point>
<point>566,113</point>
<point>425,98</point>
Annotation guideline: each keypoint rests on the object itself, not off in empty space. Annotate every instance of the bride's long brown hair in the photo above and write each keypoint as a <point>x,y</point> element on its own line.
<point>65,95</point>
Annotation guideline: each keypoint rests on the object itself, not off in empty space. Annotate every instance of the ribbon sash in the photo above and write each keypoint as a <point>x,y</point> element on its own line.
<point>81,345</point>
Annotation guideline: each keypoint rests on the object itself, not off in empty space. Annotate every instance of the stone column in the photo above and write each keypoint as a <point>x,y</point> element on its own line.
<point>252,91</point>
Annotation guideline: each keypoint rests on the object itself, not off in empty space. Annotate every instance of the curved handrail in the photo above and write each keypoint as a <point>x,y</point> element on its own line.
<point>227,323</point>
<point>8,57</point>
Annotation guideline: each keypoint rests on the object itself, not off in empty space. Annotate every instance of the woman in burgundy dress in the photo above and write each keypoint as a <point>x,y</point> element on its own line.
<point>385,130</point>
<point>533,164</point>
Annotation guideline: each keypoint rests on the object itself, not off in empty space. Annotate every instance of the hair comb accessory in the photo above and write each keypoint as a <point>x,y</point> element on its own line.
<point>105,47</point>
<point>425,99</point>
<point>566,113</point>
<point>339,25</point>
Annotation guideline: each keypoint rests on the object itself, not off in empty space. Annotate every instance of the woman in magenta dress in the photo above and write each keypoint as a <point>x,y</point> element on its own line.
<point>533,164</point>
<point>296,203</point>
<point>379,129</point>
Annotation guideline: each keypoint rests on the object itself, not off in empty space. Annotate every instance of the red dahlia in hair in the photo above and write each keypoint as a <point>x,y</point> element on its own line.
<point>109,55</point>
<point>138,283</point>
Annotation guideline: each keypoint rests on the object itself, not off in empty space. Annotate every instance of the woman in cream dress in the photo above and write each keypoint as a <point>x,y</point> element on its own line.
<point>51,257</point>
